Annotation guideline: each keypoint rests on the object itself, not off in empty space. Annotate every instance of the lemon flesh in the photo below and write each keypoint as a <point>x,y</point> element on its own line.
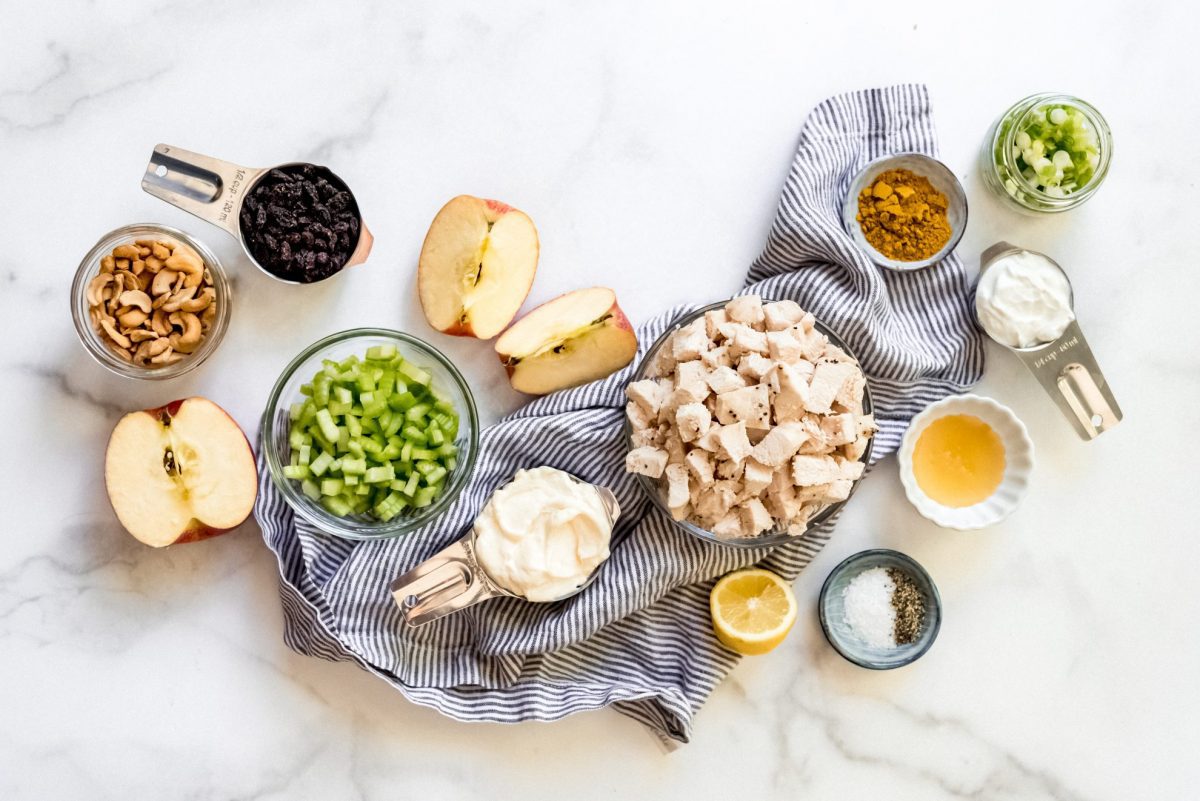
<point>752,611</point>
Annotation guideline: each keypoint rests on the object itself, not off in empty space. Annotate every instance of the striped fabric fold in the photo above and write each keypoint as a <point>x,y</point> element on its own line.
<point>639,639</point>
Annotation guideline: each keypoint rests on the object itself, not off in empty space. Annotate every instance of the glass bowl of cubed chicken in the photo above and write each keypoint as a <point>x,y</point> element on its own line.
<point>749,422</point>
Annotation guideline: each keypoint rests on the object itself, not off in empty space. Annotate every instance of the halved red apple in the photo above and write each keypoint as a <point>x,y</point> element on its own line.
<point>575,338</point>
<point>180,473</point>
<point>476,266</point>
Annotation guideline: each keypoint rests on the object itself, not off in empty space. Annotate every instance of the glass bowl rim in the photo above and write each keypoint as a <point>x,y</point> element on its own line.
<point>651,486</point>
<point>935,613</point>
<point>90,340</point>
<point>955,235</point>
<point>341,527</point>
<point>1025,105</point>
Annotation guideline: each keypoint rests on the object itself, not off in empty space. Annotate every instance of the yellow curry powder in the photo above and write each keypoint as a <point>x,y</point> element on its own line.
<point>903,216</point>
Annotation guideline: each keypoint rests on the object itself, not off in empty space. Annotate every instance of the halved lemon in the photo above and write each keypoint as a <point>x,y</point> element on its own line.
<point>752,610</point>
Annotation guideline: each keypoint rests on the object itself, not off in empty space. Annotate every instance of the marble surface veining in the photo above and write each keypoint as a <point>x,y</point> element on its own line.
<point>648,141</point>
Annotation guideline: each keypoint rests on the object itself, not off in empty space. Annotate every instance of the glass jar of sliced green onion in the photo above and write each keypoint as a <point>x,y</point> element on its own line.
<point>1048,153</point>
<point>370,433</point>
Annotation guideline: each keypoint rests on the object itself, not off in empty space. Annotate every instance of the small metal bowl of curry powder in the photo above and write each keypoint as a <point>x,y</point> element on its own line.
<point>906,211</point>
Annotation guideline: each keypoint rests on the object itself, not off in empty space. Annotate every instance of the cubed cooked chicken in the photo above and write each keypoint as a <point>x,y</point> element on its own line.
<point>754,421</point>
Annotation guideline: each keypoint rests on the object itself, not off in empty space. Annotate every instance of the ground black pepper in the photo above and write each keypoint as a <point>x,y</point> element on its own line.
<point>909,604</point>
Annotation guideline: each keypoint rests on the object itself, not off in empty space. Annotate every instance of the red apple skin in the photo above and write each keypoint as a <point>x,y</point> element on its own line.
<point>199,531</point>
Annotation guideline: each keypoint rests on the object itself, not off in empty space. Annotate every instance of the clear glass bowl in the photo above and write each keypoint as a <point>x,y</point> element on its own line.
<point>938,175</point>
<point>276,424</point>
<point>656,490</point>
<point>832,610</point>
<point>999,165</point>
<point>91,339</point>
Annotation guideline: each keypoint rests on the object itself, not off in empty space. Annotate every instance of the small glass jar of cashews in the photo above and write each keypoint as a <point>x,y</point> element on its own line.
<point>150,302</point>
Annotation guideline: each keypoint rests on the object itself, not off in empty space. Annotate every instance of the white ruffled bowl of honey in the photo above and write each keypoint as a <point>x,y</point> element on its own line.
<point>965,462</point>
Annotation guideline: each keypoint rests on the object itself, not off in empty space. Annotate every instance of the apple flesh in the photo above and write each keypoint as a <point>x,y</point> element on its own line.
<point>180,473</point>
<point>476,266</point>
<point>576,338</point>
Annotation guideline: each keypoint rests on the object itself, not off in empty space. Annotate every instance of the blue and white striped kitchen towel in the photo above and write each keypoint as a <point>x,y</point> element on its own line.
<point>640,639</point>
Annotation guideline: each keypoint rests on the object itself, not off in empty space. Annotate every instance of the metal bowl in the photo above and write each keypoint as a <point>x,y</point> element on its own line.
<point>656,489</point>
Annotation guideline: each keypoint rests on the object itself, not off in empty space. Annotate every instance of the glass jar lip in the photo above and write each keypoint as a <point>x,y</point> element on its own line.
<point>1018,111</point>
<point>89,267</point>
<point>651,487</point>
<point>345,527</point>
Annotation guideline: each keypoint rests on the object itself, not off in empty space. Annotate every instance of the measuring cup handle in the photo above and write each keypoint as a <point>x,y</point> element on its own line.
<point>446,582</point>
<point>209,188</point>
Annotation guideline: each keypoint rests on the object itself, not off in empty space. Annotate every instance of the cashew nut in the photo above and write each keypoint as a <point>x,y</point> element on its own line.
<point>162,281</point>
<point>136,297</point>
<point>187,264</point>
<point>191,335</point>
<point>179,298</point>
<point>107,264</point>
<point>95,286</point>
<point>165,356</point>
<point>138,266</point>
<point>121,264</point>
<point>141,335</point>
<point>159,324</point>
<point>126,252</point>
<point>160,251</point>
<point>115,335</point>
<point>131,317</point>
<point>201,303</point>
<point>153,264</point>
<point>150,349</point>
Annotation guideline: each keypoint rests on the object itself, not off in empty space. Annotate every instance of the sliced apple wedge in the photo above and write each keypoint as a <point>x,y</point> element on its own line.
<point>180,473</point>
<point>575,338</point>
<point>476,266</point>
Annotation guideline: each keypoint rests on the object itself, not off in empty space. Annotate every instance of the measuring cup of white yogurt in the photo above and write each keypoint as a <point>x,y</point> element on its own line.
<point>1023,300</point>
<point>541,537</point>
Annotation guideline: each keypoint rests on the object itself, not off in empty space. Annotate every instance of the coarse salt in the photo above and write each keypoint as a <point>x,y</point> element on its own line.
<point>869,610</point>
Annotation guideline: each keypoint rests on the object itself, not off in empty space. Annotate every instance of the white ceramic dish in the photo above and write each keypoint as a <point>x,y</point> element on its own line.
<point>1018,458</point>
<point>942,179</point>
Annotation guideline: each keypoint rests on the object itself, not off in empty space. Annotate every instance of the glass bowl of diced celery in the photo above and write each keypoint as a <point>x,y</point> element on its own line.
<point>1047,153</point>
<point>370,433</point>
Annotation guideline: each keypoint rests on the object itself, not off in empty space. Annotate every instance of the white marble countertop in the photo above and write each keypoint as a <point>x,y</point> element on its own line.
<point>649,145</point>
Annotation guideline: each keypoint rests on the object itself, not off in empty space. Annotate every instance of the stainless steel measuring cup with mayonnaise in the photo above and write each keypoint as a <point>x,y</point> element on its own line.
<point>541,537</point>
<point>1024,301</point>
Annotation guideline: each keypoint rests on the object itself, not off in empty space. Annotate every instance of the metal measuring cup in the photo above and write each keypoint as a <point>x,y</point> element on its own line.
<point>1066,367</point>
<point>214,191</point>
<point>453,579</point>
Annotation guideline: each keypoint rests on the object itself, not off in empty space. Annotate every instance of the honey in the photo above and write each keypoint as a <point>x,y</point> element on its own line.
<point>958,460</point>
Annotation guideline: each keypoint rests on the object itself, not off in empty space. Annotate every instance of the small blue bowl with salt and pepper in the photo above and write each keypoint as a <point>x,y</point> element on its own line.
<point>880,609</point>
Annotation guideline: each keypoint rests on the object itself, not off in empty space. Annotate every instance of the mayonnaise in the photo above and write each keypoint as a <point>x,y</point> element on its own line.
<point>1024,300</point>
<point>543,534</point>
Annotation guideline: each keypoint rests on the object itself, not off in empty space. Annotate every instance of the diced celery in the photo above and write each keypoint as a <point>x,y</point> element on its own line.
<point>319,465</point>
<point>435,476</point>
<point>415,413</point>
<point>448,450</point>
<point>435,435</point>
<point>329,429</point>
<point>380,475</point>
<point>414,435</point>
<point>304,455</point>
<point>296,472</point>
<point>411,486</point>
<point>422,453</point>
<point>310,489</point>
<point>413,373</point>
<point>424,496</point>
<point>354,466</point>
<point>332,486</point>
<point>381,352</point>
<point>336,505</point>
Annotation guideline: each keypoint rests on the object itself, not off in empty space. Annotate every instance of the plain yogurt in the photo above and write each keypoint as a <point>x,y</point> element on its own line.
<point>543,534</point>
<point>1024,300</point>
